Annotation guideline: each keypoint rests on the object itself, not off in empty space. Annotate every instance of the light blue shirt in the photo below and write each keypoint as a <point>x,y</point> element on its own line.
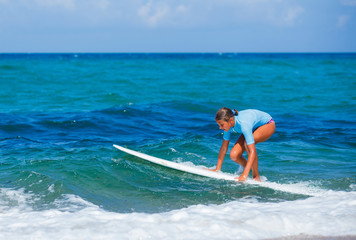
<point>246,122</point>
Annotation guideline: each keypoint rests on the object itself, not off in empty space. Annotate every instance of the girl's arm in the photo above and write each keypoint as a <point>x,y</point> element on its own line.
<point>222,153</point>
<point>252,154</point>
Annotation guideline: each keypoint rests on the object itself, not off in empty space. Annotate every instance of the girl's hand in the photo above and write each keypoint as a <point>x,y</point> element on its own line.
<point>242,178</point>
<point>213,170</point>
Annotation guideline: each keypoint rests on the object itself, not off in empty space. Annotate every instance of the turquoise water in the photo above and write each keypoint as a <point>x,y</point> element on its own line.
<point>61,113</point>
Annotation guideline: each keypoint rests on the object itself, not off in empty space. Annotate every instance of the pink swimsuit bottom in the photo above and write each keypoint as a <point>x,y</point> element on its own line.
<point>271,121</point>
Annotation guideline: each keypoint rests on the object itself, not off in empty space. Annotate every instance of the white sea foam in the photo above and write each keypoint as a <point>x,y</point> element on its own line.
<point>328,214</point>
<point>173,150</point>
<point>303,188</point>
<point>51,188</point>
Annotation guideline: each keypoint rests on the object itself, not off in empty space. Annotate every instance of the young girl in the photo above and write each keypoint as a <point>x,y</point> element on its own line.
<point>256,126</point>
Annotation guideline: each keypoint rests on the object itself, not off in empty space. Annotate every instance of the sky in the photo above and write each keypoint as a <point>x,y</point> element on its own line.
<point>30,26</point>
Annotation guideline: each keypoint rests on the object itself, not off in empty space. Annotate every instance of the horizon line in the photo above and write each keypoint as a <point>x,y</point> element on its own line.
<point>208,52</point>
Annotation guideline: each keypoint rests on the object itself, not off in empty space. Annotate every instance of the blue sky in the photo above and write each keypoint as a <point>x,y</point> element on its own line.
<point>178,26</point>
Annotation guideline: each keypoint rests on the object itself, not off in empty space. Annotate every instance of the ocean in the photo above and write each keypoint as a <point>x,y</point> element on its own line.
<point>61,177</point>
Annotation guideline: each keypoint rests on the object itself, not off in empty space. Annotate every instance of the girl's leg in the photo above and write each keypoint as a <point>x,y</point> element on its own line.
<point>261,134</point>
<point>238,150</point>
<point>264,132</point>
<point>255,173</point>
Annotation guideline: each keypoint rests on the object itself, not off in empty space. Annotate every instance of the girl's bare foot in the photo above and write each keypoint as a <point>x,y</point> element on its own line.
<point>257,178</point>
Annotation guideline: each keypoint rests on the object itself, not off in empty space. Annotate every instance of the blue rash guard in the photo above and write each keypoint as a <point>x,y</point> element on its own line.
<point>246,122</point>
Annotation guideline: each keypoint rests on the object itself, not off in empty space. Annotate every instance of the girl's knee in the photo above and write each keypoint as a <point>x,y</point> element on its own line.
<point>235,154</point>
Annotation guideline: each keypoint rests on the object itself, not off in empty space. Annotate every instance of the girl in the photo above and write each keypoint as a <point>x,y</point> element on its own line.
<point>256,126</point>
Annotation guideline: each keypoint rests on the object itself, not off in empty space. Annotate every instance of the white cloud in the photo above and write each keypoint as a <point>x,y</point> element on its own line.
<point>152,14</point>
<point>102,4</point>
<point>182,9</point>
<point>160,13</point>
<point>217,13</point>
<point>67,4</point>
<point>349,2</point>
<point>270,12</point>
<point>342,20</point>
<point>292,14</point>
<point>172,13</point>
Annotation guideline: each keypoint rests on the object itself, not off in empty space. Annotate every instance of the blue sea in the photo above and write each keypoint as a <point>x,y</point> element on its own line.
<point>61,177</point>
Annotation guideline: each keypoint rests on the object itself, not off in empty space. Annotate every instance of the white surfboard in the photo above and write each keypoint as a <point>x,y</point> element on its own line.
<point>178,166</point>
<point>288,187</point>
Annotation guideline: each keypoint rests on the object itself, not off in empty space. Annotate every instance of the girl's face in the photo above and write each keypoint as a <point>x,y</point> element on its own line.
<point>223,125</point>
